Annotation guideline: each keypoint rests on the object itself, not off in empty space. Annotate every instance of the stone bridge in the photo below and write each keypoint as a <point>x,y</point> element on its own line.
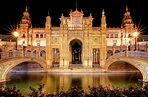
<point>10,59</point>
<point>138,59</point>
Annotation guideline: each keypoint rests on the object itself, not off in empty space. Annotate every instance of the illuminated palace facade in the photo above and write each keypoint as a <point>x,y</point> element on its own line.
<point>75,42</point>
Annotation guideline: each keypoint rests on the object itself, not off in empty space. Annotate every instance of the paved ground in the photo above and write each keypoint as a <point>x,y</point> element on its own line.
<point>76,70</point>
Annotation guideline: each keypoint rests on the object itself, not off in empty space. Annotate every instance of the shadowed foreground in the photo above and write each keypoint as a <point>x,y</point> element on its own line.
<point>100,91</point>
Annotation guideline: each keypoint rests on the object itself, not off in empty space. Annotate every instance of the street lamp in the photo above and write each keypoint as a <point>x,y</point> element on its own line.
<point>135,34</point>
<point>16,34</point>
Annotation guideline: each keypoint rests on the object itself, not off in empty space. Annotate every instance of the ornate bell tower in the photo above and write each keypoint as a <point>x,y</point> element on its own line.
<point>127,23</point>
<point>25,32</point>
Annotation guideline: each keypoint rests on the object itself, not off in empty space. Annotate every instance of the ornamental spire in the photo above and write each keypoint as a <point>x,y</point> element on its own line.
<point>48,13</point>
<point>103,20</point>
<point>127,18</point>
<point>26,8</point>
<point>48,22</point>
<point>76,4</point>
<point>26,17</point>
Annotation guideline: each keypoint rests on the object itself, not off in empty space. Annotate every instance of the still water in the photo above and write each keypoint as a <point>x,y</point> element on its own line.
<point>54,82</point>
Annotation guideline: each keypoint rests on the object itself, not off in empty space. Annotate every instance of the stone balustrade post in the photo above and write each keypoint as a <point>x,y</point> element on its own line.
<point>126,53</point>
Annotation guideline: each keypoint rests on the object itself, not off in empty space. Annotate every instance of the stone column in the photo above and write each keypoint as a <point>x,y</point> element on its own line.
<point>85,50</point>
<point>64,63</point>
<point>66,50</point>
<point>48,51</point>
<point>90,49</point>
<point>61,49</point>
<point>103,48</point>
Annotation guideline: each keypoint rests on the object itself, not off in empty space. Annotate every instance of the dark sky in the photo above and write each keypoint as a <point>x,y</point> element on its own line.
<point>12,11</point>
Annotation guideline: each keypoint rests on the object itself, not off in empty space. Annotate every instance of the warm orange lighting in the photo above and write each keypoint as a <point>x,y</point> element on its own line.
<point>16,34</point>
<point>135,34</point>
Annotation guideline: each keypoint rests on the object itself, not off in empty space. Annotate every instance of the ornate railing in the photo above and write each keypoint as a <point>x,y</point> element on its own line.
<point>18,54</point>
<point>117,55</point>
<point>131,54</point>
<point>138,54</point>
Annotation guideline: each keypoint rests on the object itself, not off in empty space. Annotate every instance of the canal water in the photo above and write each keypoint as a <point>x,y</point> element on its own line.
<point>55,82</point>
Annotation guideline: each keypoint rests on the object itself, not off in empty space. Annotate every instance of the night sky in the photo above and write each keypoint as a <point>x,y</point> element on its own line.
<point>12,12</point>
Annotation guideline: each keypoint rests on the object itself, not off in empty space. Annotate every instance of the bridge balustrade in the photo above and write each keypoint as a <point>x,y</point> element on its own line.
<point>138,54</point>
<point>10,54</point>
<point>117,55</point>
<point>33,55</point>
<point>29,54</point>
<point>16,54</point>
<point>131,54</point>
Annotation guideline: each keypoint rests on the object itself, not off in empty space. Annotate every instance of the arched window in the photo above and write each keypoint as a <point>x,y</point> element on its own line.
<point>117,51</point>
<point>37,35</point>
<point>112,36</point>
<point>107,35</point>
<point>41,36</point>
<point>116,35</point>
<point>23,36</point>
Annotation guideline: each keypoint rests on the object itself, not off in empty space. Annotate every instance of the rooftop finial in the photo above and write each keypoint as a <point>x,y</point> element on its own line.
<point>26,8</point>
<point>71,10</point>
<point>126,8</point>
<point>90,14</point>
<point>76,4</point>
<point>103,13</point>
<point>48,11</point>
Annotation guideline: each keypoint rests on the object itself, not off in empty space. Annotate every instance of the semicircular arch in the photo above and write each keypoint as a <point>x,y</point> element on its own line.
<point>73,38</point>
<point>16,61</point>
<point>127,60</point>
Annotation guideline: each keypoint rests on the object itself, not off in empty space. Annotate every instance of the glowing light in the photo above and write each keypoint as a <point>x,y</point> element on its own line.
<point>16,34</point>
<point>135,34</point>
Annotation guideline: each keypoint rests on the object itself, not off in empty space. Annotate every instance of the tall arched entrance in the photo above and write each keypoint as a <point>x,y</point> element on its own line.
<point>76,52</point>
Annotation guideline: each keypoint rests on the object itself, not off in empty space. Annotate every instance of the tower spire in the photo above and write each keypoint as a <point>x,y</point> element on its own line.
<point>127,17</point>
<point>126,8</point>
<point>76,4</point>
<point>26,17</point>
<point>48,12</point>
<point>103,20</point>
<point>48,22</point>
<point>26,9</point>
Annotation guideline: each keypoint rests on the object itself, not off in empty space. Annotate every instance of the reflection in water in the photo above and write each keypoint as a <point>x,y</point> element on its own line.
<point>55,82</point>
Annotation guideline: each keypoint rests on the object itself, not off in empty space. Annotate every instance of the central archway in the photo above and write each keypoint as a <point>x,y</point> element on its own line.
<point>76,51</point>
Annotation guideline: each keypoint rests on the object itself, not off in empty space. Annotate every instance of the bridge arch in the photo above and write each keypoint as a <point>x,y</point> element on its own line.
<point>121,66</point>
<point>141,65</point>
<point>5,66</point>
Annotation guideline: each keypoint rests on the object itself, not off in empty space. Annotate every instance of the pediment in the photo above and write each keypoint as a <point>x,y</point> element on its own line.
<point>76,13</point>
